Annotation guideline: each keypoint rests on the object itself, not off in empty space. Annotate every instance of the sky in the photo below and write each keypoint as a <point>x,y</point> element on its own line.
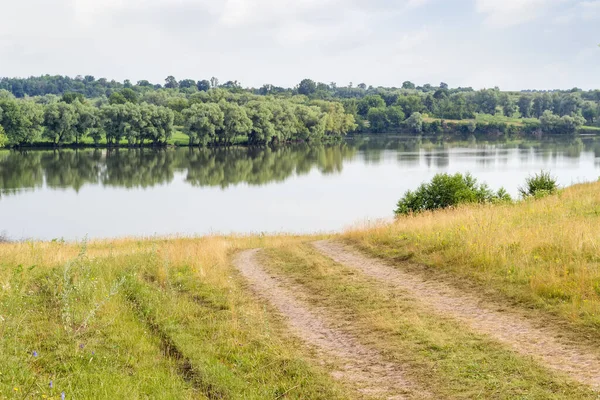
<point>512,44</point>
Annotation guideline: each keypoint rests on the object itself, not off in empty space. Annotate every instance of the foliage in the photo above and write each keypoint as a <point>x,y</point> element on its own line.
<point>277,113</point>
<point>567,124</point>
<point>307,86</point>
<point>3,137</point>
<point>202,122</point>
<point>539,185</point>
<point>415,122</point>
<point>21,120</point>
<point>541,254</point>
<point>446,190</point>
<point>59,122</point>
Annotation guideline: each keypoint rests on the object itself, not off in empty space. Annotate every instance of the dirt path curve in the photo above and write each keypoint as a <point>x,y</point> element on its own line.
<point>375,376</point>
<point>506,327</point>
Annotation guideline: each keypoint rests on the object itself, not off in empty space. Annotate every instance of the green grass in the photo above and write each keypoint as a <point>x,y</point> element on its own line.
<point>590,128</point>
<point>486,119</point>
<point>177,139</point>
<point>442,355</point>
<point>541,253</point>
<point>150,319</point>
<point>498,118</point>
<point>158,318</point>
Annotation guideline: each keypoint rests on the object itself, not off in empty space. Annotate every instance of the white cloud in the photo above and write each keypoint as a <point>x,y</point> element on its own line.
<point>505,13</point>
<point>245,12</point>
<point>416,3</point>
<point>379,42</point>
<point>590,10</point>
<point>580,11</point>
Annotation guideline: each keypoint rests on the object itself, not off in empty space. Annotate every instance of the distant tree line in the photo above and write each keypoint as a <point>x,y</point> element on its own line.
<point>62,110</point>
<point>217,116</point>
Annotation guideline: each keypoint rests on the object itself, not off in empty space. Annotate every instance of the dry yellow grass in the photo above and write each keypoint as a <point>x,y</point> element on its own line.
<point>545,252</point>
<point>152,318</point>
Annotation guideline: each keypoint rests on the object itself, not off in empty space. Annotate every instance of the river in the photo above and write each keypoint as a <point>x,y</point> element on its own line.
<point>72,194</point>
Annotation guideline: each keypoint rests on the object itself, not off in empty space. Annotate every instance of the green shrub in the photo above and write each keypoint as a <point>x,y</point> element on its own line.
<point>447,190</point>
<point>539,185</point>
<point>3,138</point>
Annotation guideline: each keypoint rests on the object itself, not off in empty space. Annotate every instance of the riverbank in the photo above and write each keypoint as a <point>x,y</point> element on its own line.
<point>191,318</point>
<point>511,130</point>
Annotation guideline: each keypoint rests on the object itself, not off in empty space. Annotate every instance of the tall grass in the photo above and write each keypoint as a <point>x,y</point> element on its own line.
<point>143,319</point>
<point>545,252</point>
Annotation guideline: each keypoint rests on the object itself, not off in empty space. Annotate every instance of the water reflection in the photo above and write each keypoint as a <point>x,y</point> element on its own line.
<point>224,167</point>
<point>131,168</point>
<point>300,188</point>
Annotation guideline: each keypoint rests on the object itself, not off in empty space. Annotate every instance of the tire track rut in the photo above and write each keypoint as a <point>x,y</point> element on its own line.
<point>507,327</point>
<point>359,364</point>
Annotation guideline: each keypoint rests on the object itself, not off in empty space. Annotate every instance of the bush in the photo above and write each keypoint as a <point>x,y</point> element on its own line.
<point>3,138</point>
<point>539,185</point>
<point>446,190</point>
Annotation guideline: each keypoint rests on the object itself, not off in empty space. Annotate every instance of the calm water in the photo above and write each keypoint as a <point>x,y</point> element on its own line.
<point>70,194</point>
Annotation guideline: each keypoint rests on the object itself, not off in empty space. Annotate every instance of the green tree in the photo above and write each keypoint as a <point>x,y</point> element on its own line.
<point>311,122</point>
<point>59,123</point>
<point>235,123</point>
<point>130,95</point>
<point>202,122</point>
<point>337,122</point>
<point>116,122</point>
<point>554,124</point>
<point>508,105</point>
<point>70,97</point>
<point>486,101</point>
<point>155,123</point>
<point>569,104</point>
<point>117,98</point>
<point>408,85</point>
<point>415,122</point>
<point>285,120</point>
<point>261,115</point>
<point>525,106</point>
<point>3,137</point>
<point>590,111</point>
<point>203,85</point>
<point>307,87</point>
<point>21,120</point>
<point>395,115</point>
<point>368,102</point>
<point>171,82</point>
<point>378,119</point>
<point>187,83</point>
<point>87,122</point>
<point>410,104</point>
<point>144,83</point>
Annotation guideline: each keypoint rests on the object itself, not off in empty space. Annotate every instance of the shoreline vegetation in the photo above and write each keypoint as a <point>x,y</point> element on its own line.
<point>189,326</point>
<point>58,111</point>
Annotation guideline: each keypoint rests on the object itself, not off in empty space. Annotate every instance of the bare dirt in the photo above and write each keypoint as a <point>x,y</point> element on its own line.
<point>360,366</point>
<point>506,326</point>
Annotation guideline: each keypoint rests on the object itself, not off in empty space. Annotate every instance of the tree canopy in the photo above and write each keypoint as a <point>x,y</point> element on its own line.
<point>63,110</point>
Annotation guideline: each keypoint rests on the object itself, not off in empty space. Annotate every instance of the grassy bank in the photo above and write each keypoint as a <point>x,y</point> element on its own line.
<point>543,253</point>
<point>172,318</point>
<point>444,357</point>
<point>138,319</point>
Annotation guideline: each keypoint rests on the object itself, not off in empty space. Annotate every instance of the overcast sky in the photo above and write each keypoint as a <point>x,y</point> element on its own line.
<point>514,44</point>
